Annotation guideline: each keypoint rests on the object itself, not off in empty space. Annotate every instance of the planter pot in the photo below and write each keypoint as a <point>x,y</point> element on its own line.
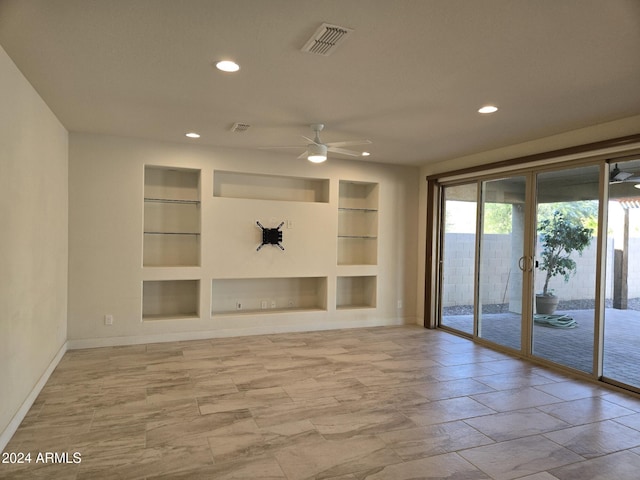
<point>546,304</point>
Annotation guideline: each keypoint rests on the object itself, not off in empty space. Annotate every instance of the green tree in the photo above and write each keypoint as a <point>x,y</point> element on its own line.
<point>497,218</point>
<point>583,212</point>
<point>560,236</point>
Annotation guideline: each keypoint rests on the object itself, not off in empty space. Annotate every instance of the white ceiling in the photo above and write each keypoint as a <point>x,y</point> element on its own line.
<point>410,78</point>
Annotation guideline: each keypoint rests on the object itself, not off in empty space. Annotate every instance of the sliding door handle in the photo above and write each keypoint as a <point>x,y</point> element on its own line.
<point>521,263</point>
<point>526,263</point>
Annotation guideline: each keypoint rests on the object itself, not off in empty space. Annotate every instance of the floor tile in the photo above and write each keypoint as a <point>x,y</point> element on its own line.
<point>506,400</point>
<point>596,439</point>
<point>514,424</point>
<point>586,410</point>
<point>325,458</point>
<point>539,476</point>
<point>353,424</point>
<point>617,466</point>
<point>413,443</point>
<point>443,411</point>
<point>520,457</point>
<point>632,421</point>
<point>449,466</point>
<point>451,389</point>
<point>571,390</point>
<point>510,381</point>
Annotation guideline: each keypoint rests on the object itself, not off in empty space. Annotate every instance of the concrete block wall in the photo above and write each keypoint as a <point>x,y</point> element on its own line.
<point>498,269</point>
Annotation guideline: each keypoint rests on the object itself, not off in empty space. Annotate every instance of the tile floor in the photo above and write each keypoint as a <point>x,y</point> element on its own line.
<point>392,403</point>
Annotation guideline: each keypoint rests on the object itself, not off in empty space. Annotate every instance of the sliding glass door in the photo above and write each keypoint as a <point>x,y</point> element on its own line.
<point>567,205</point>
<point>520,270</point>
<point>622,313</point>
<point>503,262</point>
<point>458,257</point>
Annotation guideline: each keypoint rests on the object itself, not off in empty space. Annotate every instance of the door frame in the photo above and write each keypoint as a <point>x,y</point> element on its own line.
<point>591,154</point>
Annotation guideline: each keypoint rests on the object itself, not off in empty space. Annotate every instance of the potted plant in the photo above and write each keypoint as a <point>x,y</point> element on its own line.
<point>559,237</point>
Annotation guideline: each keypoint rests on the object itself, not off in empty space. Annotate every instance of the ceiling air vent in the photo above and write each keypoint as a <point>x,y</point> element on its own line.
<point>240,127</point>
<point>326,39</point>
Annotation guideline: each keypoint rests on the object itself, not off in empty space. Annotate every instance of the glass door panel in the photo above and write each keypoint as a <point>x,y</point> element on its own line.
<point>622,300</point>
<point>502,261</point>
<point>458,257</point>
<point>565,277</point>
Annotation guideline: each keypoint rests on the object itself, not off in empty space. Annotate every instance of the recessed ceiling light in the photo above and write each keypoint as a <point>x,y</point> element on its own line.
<point>488,109</point>
<point>365,154</point>
<point>192,135</point>
<point>227,66</point>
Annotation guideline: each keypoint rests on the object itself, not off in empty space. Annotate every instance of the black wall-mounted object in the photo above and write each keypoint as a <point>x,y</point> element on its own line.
<point>271,236</point>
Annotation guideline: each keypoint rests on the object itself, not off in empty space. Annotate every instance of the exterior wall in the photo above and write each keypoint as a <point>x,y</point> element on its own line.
<point>498,271</point>
<point>33,244</point>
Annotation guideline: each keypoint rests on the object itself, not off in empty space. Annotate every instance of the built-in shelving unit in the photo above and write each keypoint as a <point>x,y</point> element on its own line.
<point>170,299</point>
<point>171,217</point>
<point>357,223</point>
<point>270,187</point>
<point>356,292</point>
<point>268,295</point>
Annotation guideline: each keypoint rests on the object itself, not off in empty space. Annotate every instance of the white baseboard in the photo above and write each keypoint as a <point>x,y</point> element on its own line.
<point>227,332</point>
<point>15,422</point>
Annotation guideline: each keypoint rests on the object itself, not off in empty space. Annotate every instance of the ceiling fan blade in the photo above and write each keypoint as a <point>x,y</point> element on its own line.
<point>632,179</point>
<point>309,140</point>
<point>303,155</point>
<point>283,146</point>
<point>344,151</point>
<point>349,143</point>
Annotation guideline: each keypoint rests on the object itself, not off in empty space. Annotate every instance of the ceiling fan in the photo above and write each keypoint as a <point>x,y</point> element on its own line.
<point>317,150</point>
<point>619,176</point>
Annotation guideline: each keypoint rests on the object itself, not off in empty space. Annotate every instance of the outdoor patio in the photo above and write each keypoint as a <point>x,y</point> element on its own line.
<point>572,347</point>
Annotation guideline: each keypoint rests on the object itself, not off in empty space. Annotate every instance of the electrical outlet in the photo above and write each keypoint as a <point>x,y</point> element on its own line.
<point>273,304</point>
<point>399,304</point>
<point>291,303</point>
<point>263,304</point>
<point>108,319</point>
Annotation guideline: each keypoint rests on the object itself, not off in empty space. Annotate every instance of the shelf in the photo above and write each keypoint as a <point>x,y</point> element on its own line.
<point>356,292</point>
<point>171,231</point>
<point>270,187</point>
<point>174,184</point>
<point>345,209</point>
<point>240,296</point>
<point>170,299</point>
<point>358,236</point>
<point>357,223</point>
<point>172,200</point>
<point>357,251</point>
<point>358,195</point>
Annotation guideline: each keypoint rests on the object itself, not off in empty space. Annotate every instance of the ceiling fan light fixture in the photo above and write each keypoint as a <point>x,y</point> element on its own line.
<point>637,185</point>
<point>365,154</point>
<point>316,153</point>
<point>488,109</point>
<point>227,66</point>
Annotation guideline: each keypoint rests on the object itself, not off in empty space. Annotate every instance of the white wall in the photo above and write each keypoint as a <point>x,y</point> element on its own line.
<point>105,241</point>
<point>33,244</point>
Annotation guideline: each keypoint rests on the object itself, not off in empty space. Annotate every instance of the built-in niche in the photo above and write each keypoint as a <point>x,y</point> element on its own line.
<point>171,235</point>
